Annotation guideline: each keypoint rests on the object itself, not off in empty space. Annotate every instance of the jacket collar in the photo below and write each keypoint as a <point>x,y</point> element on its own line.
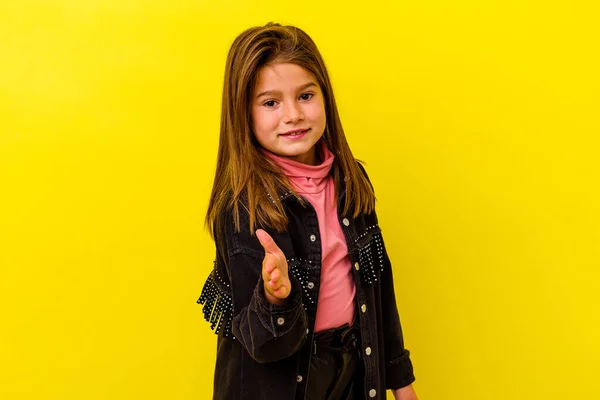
<point>282,193</point>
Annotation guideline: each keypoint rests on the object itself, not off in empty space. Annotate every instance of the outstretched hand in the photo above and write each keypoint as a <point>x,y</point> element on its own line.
<point>274,270</point>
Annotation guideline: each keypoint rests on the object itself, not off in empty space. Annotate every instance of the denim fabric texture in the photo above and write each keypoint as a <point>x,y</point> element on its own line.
<point>264,350</point>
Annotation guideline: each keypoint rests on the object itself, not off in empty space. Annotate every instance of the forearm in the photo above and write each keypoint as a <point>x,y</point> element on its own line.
<point>405,393</point>
<point>271,332</point>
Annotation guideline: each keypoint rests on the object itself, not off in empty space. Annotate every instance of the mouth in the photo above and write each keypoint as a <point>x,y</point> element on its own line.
<point>295,134</point>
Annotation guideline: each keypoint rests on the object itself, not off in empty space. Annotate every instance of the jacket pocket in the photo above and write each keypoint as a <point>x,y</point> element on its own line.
<point>369,254</point>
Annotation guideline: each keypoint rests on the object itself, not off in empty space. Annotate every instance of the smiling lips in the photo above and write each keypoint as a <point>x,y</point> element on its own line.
<point>295,134</point>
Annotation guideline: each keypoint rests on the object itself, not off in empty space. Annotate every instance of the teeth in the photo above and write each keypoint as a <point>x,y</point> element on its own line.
<point>296,133</point>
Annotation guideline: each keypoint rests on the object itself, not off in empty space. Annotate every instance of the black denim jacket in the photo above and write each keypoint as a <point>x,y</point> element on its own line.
<point>264,350</point>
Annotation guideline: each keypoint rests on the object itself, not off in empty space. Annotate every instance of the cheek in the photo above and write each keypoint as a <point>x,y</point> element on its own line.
<point>317,112</point>
<point>263,120</point>
<point>263,126</point>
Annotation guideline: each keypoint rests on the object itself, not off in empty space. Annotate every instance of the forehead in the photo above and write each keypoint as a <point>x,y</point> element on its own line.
<point>282,77</point>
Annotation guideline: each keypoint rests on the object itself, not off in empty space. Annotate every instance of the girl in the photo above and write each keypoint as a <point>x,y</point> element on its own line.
<point>301,294</point>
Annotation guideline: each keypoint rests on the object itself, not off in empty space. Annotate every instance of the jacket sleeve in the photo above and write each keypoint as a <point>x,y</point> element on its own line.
<point>398,365</point>
<point>267,331</point>
<point>399,368</point>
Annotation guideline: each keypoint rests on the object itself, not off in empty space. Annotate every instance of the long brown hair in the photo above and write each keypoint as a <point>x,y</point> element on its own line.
<point>244,176</point>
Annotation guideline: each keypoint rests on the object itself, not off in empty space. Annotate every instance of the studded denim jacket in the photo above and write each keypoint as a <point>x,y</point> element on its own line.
<point>264,350</point>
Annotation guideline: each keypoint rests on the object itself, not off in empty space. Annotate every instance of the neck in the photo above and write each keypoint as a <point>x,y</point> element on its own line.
<point>310,158</point>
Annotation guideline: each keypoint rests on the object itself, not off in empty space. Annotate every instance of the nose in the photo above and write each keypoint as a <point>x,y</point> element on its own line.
<point>292,113</point>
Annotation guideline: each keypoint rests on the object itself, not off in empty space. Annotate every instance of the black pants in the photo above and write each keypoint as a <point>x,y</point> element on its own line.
<point>336,371</point>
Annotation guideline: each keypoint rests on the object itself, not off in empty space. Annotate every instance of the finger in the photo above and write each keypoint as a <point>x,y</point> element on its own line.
<point>267,242</point>
<point>274,285</point>
<point>268,267</point>
<point>270,262</point>
<point>275,275</point>
<point>282,292</point>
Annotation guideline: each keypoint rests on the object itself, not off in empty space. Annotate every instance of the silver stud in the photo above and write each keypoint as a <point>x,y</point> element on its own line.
<point>310,285</point>
<point>313,238</point>
<point>346,222</point>
<point>280,321</point>
<point>372,393</point>
<point>368,351</point>
<point>299,378</point>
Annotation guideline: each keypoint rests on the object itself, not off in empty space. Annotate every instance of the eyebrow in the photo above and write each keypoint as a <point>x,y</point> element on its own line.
<point>300,88</point>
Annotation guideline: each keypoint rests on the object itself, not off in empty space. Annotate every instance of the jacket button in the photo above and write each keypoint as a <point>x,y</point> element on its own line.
<point>363,308</point>
<point>313,238</point>
<point>356,266</point>
<point>299,378</point>
<point>372,393</point>
<point>310,285</point>
<point>346,222</point>
<point>368,351</point>
<point>280,321</point>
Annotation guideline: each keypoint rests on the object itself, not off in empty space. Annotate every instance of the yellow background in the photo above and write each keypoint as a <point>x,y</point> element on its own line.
<point>479,121</point>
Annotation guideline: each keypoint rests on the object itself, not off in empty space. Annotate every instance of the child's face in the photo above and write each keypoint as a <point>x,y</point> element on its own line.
<point>288,98</point>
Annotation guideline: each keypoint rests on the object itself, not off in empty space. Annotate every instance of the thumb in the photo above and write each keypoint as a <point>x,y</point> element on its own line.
<point>267,242</point>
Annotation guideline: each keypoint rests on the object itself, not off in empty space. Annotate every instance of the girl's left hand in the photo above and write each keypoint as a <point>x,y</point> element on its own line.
<point>405,393</point>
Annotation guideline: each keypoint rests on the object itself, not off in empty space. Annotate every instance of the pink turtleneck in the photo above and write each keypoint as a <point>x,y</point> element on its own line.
<point>337,290</point>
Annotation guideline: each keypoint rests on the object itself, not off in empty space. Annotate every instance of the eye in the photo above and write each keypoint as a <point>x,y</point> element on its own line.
<point>269,103</point>
<point>306,96</point>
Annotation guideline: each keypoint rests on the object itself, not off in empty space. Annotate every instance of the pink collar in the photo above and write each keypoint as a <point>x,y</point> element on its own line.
<point>307,178</point>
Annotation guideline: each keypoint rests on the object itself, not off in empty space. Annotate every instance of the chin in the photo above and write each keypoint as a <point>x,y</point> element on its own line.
<point>295,153</point>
